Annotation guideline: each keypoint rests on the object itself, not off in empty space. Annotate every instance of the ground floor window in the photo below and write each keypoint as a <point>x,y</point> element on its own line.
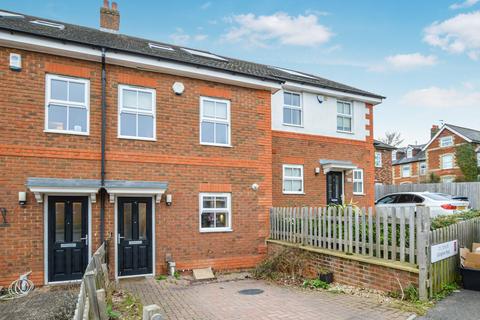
<point>215,212</point>
<point>358,181</point>
<point>292,179</point>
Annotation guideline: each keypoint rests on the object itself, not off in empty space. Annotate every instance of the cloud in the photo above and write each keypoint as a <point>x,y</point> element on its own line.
<point>411,61</point>
<point>465,4</point>
<point>301,30</point>
<point>206,5</point>
<point>456,35</point>
<point>182,38</point>
<point>435,97</point>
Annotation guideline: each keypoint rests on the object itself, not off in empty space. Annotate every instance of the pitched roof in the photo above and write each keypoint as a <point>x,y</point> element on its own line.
<point>381,145</point>
<point>420,156</point>
<point>134,45</point>
<point>471,135</point>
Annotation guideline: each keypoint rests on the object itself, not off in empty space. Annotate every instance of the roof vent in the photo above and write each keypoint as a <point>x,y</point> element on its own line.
<point>48,24</point>
<point>204,54</point>
<point>295,73</point>
<point>4,14</point>
<point>159,46</point>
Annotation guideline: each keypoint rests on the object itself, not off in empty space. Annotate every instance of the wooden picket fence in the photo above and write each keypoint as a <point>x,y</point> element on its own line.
<point>446,271</point>
<point>394,234</point>
<point>91,302</point>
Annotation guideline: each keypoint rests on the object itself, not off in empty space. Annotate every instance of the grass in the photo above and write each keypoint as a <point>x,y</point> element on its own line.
<point>124,305</point>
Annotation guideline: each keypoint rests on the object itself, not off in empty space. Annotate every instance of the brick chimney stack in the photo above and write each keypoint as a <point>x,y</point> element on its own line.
<point>109,17</point>
<point>434,130</point>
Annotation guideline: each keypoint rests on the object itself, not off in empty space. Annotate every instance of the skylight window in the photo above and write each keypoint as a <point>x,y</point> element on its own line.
<point>4,14</point>
<point>204,54</point>
<point>48,24</point>
<point>294,73</point>
<point>159,46</point>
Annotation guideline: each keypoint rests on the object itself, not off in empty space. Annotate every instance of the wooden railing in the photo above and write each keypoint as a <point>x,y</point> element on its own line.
<point>91,303</point>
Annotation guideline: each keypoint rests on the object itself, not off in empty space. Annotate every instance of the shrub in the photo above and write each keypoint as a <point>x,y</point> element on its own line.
<point>288,261</point>
<point>445,221</point>
<point>315,284</point>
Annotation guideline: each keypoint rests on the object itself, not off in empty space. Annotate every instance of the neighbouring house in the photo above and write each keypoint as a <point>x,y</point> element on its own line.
<point>440,150</point>
<point>409,165</point>
<point>418,164</point>
<point>383,162</point>
<point>162,151</point>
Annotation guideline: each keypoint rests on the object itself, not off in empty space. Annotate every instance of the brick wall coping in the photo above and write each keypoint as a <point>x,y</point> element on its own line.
<point>371,260</point>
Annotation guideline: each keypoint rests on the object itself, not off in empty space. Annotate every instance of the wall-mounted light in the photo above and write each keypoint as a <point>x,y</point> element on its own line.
<point>168,199</point>
<point>178,88</point>
<point>22,198</point>
<point>317,171</point>
<point>255,187</point>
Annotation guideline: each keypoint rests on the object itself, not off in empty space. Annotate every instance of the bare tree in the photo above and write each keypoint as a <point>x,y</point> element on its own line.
<point>393,138</point>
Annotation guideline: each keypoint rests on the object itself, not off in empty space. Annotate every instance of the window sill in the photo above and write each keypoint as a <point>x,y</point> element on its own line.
<point>345,132</point>
<point>75,133</point>
<point>359,194</point>
<point>293,125</point>
<point>294,193</point>
<point>215,230</point>
<point>137,138</point>
<point>216,145</point>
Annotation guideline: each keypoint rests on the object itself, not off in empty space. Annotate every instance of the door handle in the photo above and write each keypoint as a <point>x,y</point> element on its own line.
<point>86,239</point>
<point>119,237</point>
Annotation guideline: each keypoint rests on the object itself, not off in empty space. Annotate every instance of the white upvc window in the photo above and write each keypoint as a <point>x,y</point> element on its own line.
<point>422,168</point>
<point>409,153</point>
<point>215,212</point>
<point>406,171</point>
<point>378,159</point>
<point>358,181</point>
<point>67,106</point>
<point>446,161</point>
<point>447,179</point>
<point>215,122</point>
<point>344,116</point>
<point>394,155</point>
<point>136,113</point>
<point>478,158</point>
<point>446,141</point>
<point>293,179</point>
<point>292,109</point>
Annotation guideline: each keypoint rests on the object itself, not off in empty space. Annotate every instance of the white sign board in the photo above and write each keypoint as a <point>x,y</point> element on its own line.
<point>444,250</point>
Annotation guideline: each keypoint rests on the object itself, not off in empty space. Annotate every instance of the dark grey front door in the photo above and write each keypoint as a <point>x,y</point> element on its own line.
<point>334,187</point>
<point>134,236</point>
<point>67,238</point>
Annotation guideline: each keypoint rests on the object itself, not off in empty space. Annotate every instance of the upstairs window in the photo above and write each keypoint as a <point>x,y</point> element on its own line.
<point>344,116</point>
<point>214,122</point>
<point>292,179</point>
<point>394,155</point>
<point>446,141</point>
<point>67,105</point>
<point>136,113</point>
<point>358,181</point>
<point>406,171</point>
<point>378,159</point>
<point>446,161</point>
<point>292,109</point>
<point>409,153</point>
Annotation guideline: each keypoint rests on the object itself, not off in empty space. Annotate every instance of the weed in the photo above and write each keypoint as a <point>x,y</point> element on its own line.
<point>112,314</point>
<point>161,277</point>
<point>315,284</point>
<point>177,275</point>
<point>289,261</point>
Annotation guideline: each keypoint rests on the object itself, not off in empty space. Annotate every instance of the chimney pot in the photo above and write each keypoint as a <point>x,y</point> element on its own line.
<point>434,130</point>
<point>114,6</point>
<point>106,4</point>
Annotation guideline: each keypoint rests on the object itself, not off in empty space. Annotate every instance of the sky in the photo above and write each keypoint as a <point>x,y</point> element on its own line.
<point>423,55</point>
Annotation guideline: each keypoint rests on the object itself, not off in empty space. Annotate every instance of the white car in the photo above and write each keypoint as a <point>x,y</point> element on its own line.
<point>438,204</point>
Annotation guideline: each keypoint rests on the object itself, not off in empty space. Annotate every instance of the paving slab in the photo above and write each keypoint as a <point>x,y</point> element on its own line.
<point>182,300</point>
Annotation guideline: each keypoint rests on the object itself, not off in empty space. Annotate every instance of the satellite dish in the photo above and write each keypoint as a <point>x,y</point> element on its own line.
<point>178,88</point>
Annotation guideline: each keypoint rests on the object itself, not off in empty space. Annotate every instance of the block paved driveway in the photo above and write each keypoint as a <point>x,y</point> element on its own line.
<point>222,300</point>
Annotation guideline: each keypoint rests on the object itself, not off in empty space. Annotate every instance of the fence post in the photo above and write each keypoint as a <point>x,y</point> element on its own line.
<point>92,294</point>
<point>151,312</point>
<point>102,304</point>
<point>423,250</point>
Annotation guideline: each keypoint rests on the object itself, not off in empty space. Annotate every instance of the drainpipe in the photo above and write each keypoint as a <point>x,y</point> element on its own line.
<point>103,140</point>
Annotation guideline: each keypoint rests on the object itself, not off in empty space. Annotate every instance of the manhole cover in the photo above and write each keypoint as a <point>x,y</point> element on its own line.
<point>250,292</point>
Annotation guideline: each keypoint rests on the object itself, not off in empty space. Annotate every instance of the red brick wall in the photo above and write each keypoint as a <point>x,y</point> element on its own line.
<point>357,273</point>
<point>383,174</point>
<point>415,176</point>
<point>177,157</point>
<point>294,148</point>
<point>434,152</point>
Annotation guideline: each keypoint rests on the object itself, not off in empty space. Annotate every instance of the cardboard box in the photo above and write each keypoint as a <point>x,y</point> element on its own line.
<point>469,259</point>
<point>475,246</point>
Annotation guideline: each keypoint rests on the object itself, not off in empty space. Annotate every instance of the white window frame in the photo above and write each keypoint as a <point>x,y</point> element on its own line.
<point>153,113</point>
<point>227,122</point>
<point>394,155</point>
<point>422,171</point>
<point>300,99</point>
<point>409,153</point>
<point>358,180</point>
<point>446,141</point>
<point>409,171</point>
<point>228,209</point>
<point>442,157</point>
<point>378,159</point>
<point>292,166</point>
<point>68,104</point>
<point>344,115</point>
<point>478,159</point>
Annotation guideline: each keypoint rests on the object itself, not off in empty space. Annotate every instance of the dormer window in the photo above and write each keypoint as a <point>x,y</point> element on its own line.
<point>409,153</point>
<point>394,155</point>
